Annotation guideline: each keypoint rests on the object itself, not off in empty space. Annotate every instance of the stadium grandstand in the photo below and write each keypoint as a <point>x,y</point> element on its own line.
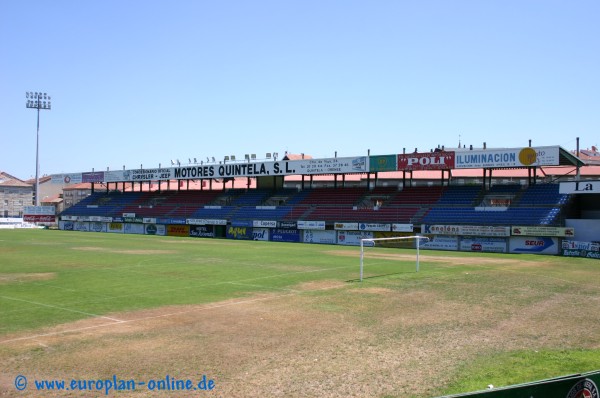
<point>506,198</point>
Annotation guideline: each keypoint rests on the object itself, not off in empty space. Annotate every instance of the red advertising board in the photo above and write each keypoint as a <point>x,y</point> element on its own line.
<point>426,161</point>
<point>38,218</point>
<point>178,230</point>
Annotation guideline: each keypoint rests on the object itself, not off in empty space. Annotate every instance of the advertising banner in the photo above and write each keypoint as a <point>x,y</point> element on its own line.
<point>383,163</point>
<point>287,224</point>
<point>72,178</point>
<point>426,161</point>
<point>260,233</point>
<point>543,231</point>
<point>466,230</point>
<point>39,210</point>
<point>149,220</point>
<point>490,245</point>
<point>571,248</point>
<point>402,228</point>
<point>579,187</point>
<point>352,238</point>
<point>330,166</point>
<point>115,227</point>
<point>533,245</point>
<point>202,231</point>
<point>264,224</point>
<point>205,221</point>
<point>95,176</point>
<point>319,236</point>
<point>510,157</point>
<point>137,229</point>
<point>241,233</point>
<point>39,218</point>
<point>134,220</point>
<point>81,226</point>
<point>437,242</point>
<point>98,226</point>
<point>114,176</point>
<point>178,230</point>
<point>374,227</point>
<point>240,169</point>
<point>100,218</point>
<point>311,224</point>
<point>148,174</point>
<point>242,223</point>
<point>66,225</point>
<point>285,235</point>
<point>151,229</point>
<point>346,226</point>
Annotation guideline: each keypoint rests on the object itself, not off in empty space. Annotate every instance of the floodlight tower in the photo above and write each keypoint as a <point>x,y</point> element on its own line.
<point>37,101</point>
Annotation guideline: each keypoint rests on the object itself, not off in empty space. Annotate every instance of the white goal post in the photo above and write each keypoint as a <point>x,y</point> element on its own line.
<point>417,239</point>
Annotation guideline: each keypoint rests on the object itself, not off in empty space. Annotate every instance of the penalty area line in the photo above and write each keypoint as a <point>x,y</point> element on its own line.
<point>62,308</point>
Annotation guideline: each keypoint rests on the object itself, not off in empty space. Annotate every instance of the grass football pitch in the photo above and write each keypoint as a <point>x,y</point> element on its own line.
<point>287,320</point>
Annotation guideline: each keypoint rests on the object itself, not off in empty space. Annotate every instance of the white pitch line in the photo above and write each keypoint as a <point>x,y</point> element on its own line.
<point>263,287</point>
<point>42,344</point>
<point>146,318</point>
<point>37,336</point>
<point>62,308</point>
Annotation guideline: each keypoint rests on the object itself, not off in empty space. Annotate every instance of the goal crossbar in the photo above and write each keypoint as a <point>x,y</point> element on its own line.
<point>417,238</point>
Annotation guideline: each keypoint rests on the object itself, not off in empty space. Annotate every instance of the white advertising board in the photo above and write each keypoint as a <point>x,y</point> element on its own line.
<point>129,228</point>
<point>39,210</point>
<point>476,244</point>
<point>352,238</point>
<point>509,157</point>
<point>319,236</point>
<point>260,233</point>
<point>466,230</point>
<point>311,225</point>
<point>98,226</point>
<point>114,176</point>
<point>543,231</point>
<point>402,228</point>
<point>440,243</point>
<point>533,245</point>
<point>81,226</point>
<point>264,224</point>
<point>205,221</point>
<point>374,227</point>
<point>579,187</point>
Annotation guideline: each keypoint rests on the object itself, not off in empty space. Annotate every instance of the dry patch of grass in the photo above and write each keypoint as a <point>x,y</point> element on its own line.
<point>104,250</point>
<point>26,277</point>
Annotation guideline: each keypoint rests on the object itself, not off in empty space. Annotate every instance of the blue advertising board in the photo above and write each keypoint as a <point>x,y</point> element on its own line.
<point>242,233</point>
<point>285,235</point>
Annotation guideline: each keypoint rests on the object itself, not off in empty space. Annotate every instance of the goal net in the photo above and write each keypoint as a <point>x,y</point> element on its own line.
<point>377,255</point>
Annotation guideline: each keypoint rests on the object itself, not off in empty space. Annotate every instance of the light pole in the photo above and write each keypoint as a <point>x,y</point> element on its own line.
<point>37,101</point>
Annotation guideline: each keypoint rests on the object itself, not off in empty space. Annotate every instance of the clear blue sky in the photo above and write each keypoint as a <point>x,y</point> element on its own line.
<point>144,82</point>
